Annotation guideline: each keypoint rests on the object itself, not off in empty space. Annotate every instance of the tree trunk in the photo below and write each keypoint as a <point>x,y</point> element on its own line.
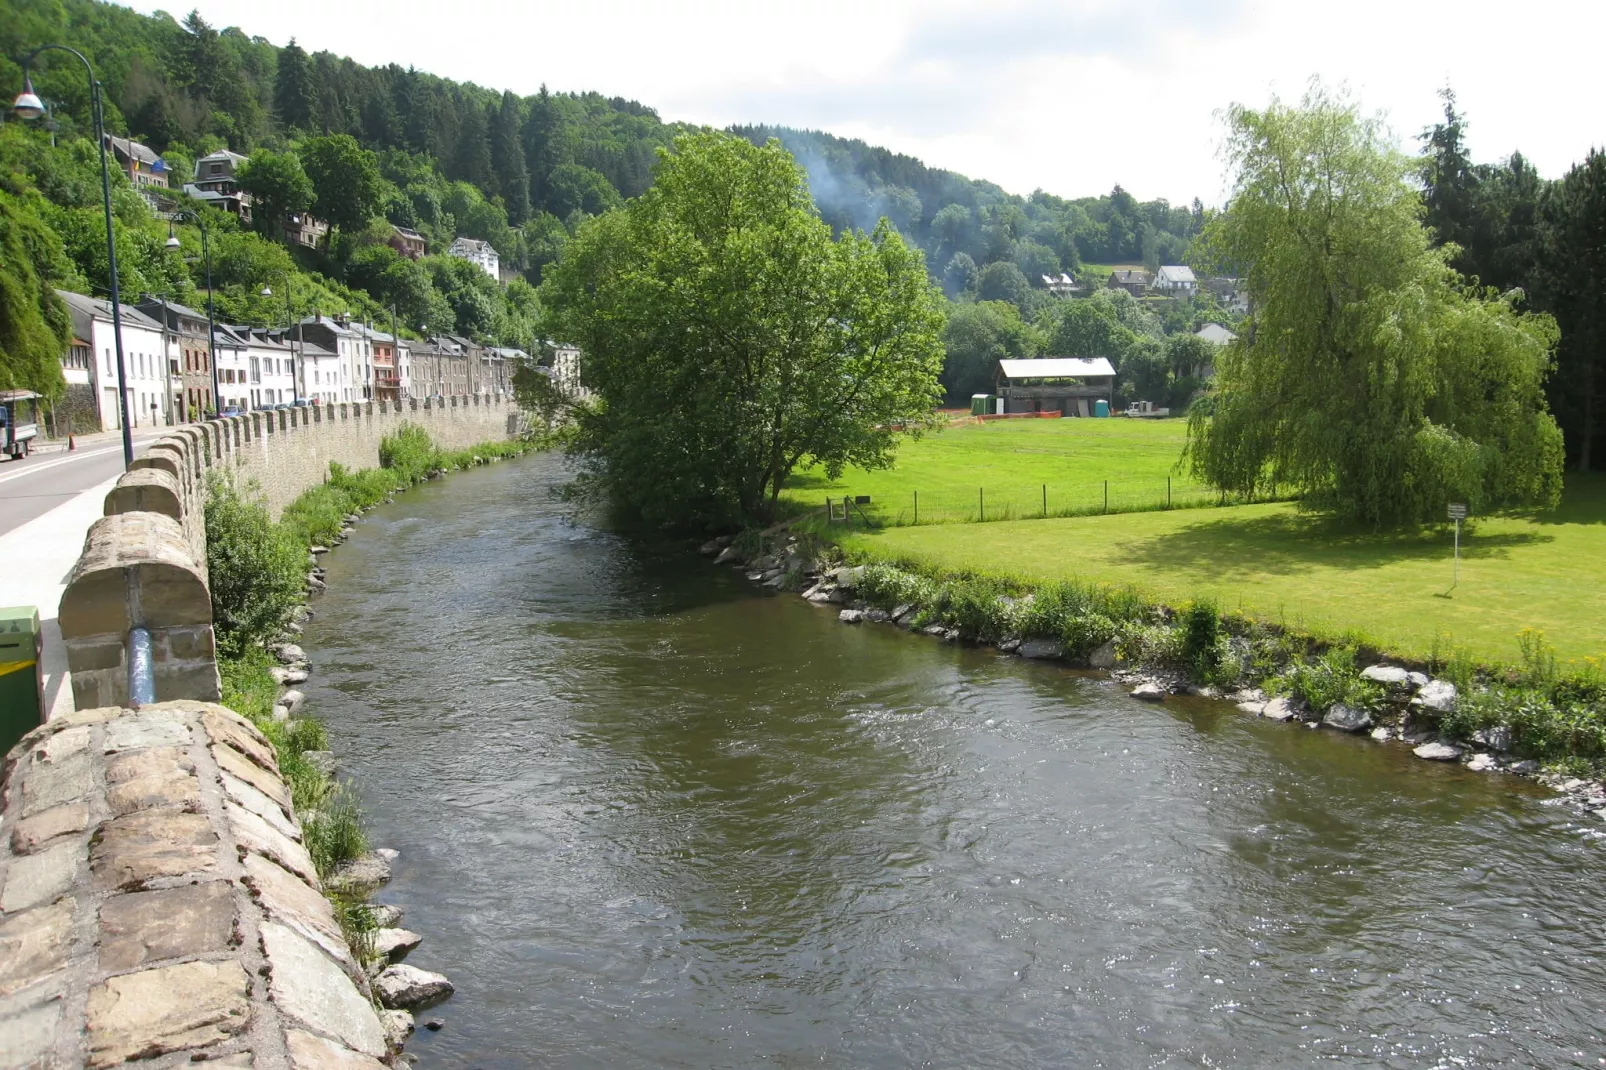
<point>1587,434</point>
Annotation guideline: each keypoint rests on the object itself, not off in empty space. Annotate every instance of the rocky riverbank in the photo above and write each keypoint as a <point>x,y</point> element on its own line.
<point>1393,704</point>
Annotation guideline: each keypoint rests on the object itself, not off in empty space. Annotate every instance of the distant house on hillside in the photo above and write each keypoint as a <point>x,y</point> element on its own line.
<point>1216,334</point>
<point>478,252</point>
<point>1176,280</point>
<point>303,229</point>
<point>408,243</point>
<point>1071,386</point>
<point>142,166</point>
<point>1061,285</point>
<point>215,183</point>
<point>1134,282</point>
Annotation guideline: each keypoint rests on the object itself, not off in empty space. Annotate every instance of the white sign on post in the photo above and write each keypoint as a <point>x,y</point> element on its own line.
<point>1458,513</point>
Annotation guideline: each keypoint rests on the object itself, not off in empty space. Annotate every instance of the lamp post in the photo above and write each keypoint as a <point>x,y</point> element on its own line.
<point>211,319</point>
<point>29,106</point>
<point>289,324</point>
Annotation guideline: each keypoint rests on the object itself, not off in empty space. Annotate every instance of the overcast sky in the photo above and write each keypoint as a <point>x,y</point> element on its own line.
<point>1071,96</point>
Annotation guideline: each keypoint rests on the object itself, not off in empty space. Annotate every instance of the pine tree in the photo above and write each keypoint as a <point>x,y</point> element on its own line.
<point>471,155</point>
<point>512,178</point>
<point>295,95</point>
<point>1571,247</point>
<point>544,146</point>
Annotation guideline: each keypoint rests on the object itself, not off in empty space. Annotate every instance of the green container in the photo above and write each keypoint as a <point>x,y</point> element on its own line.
<point>22,700</point>
<point>1101,407</point>
<point>981,404</point>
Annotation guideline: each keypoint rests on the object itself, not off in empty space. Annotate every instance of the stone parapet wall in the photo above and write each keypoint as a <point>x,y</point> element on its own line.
<point>157,903</point>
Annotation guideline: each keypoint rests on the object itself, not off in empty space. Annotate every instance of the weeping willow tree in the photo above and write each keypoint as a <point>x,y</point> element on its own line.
<point>1369,378</point>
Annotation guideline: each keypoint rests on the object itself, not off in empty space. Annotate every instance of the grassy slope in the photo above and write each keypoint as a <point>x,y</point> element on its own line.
<point>1544,572</point>
<point>1012,460</point>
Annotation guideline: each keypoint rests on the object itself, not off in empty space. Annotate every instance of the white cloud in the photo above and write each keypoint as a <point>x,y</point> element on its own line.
<point>1071,96</point>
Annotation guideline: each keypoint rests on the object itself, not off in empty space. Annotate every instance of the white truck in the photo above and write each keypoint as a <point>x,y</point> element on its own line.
<point>19,422</point>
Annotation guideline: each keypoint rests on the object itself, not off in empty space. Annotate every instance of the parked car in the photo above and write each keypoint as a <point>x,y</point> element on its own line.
<point>231,410</point>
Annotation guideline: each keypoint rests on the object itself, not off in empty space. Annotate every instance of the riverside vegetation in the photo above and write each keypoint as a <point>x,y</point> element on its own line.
<point>259,578</point>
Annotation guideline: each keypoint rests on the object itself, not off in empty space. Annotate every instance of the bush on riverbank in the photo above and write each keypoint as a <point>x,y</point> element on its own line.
<point>254,566</point>
<point>1553,715</point>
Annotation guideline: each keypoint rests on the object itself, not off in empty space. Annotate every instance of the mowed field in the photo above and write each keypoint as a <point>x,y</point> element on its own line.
<point>1001,469</point>
<point>1543,571</point>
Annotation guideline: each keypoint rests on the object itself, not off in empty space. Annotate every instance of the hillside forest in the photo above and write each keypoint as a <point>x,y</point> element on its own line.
<point>366,148</point>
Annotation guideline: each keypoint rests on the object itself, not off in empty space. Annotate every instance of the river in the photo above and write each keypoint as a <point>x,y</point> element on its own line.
<point>649,817</point>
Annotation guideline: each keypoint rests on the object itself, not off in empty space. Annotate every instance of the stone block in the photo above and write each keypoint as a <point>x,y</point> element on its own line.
<point>48,784</point>
<point>255,834</point>
<point>42,877</point>
<point>30,833</point>
<point>410,987</point>
<point>170,1008</point>
<point>179,790</point>
<point>29,1035</point>
<point>308,986</point>
<point>88,655</point>
<point>33,944</point>
<point>152,762</point>
<point>225,726</point>
<point>143,846</point>
<point>147,728</point>
<point>232,763</point>
<point>197,680</point>
<point>292,901</point>
<point>190,644</point>
<point>308,1052</point>
<point>145,927</point>
<point>250,798</point>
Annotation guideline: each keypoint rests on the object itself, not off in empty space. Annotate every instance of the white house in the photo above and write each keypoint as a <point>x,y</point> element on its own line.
<point>1176,280</point>
<point>233,371</point>
<point>566,370</point>
<point>144,361</point>
<point>1216,334</point>
<point>269,378</point>
<point>1061,285</point>
<point>478,252</point>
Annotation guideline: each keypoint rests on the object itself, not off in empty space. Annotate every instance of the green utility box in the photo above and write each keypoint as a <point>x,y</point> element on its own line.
<point>981,404</point>
<point>1101,407</point>
<point>22,699</point>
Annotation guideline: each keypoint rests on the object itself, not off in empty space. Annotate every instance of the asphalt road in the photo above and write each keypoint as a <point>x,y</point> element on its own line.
<point>37,484</point>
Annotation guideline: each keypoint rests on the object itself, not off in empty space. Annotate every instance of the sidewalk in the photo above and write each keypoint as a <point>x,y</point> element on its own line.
<point>97,438</point>
<point>38,556</point>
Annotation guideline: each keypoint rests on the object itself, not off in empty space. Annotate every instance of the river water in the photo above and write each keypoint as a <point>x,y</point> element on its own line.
<point>649,817</point>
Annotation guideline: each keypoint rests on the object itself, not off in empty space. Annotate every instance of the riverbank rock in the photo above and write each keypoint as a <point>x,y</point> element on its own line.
<point>851,616</point>
<point>284,677</point>
<point>1436,695</point>
<point>398,1027</point>
<point>1282,709</point>
<point>1391,676</point>
<point>1149,692</point>
<point>393,945</point>
<point>1254,709</point>
<point>289,654</point>
<point>1383,733</point>
<point>846,577</point>
<point>1437,752</point>
<point>1347,718</point>
<point>1041,649</point>
<point>360,876</point>
<point>1482,763</point>
<point>292,700</point>
<point>404,987</point>
<point>727,555</point>
<point>322,760</point>
<point>1496,738</point>
<point>1009,646</point>
<point>1526,767</point>
<point>1103,656</point>
<point>316,550</point>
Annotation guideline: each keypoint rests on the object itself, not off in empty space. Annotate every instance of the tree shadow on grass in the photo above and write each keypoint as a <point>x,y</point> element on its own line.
<point>1287,543</point>
<point>1582,502</point>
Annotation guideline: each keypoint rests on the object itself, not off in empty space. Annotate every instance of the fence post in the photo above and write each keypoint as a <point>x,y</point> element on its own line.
<point>981,504</point>
<point>1168,492</point>
<point>1045,501</point>
<point>1106,495</point>
<point>917,508</point>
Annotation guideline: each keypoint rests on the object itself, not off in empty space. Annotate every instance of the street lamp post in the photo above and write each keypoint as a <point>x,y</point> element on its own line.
<point>211,317</point>
<point>29,106</point>
<point>289,324</point>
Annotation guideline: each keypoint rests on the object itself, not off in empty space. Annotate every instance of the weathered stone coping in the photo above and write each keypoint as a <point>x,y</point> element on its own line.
<point>157,903</point>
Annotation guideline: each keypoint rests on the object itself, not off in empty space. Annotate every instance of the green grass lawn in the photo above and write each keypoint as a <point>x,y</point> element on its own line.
<point>1003,466</point>
<point>1546,571</point>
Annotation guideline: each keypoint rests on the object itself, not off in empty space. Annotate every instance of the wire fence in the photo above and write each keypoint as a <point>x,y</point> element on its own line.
<point>984,504</point>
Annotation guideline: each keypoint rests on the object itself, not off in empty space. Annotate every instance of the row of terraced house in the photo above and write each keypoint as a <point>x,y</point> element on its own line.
<point>169,375</point>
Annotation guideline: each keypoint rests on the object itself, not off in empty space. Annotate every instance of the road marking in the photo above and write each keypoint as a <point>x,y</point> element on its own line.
<point>65,460</point>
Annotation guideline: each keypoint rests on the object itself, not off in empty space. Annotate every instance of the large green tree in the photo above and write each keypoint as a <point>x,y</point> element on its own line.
<point>349,189</point>
<point>1571,283</point>
<point>977,336</point>
<point>279,186</point>
<point>1369,377</point>
<point>730,338</point>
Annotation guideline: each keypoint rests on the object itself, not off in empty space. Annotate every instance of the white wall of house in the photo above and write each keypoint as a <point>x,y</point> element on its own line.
<point>144,360</point>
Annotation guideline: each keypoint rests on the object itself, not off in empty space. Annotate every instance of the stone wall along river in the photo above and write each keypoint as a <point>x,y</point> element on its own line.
<point>651,818</point>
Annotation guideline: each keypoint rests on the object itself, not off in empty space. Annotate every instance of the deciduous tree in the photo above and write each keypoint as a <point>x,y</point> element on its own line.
<point>730,338</point>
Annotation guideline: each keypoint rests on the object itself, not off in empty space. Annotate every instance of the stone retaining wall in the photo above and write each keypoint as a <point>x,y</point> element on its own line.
<point>157,904</point>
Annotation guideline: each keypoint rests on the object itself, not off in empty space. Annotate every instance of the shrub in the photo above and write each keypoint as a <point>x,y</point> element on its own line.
<point>255,568</point>
<point>334,834</point>
<point>1329,679</point>
<point>410,453</point>
<point>1201,640</point>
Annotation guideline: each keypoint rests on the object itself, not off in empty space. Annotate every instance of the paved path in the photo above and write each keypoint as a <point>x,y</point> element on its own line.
<point>47,503</point>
